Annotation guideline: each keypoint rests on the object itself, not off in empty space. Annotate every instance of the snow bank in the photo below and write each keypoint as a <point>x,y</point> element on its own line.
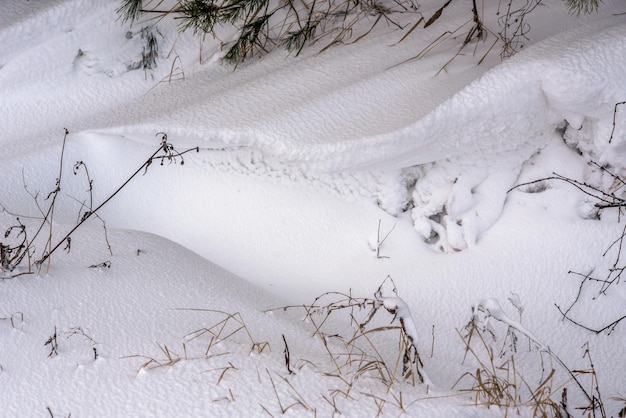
<point>479,139</point>
<point>362,108</point>
<point>306,164</point>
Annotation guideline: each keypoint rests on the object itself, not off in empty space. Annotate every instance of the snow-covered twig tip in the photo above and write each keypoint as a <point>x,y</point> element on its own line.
<point>491,308</point>
<point>398,307</point>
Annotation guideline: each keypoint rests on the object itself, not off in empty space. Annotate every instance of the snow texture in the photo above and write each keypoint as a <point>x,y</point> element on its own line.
<point>317,173</point>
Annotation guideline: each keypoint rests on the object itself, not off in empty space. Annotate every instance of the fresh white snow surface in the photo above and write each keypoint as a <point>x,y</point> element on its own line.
<point>333,172</point>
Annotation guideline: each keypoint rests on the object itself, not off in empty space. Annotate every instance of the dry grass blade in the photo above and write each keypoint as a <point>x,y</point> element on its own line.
<point>221,331</point>
<point>170,359</point>
<point>224,329</point>
<point>436,15</point>
<point>230,397</point>
<point>415,25</point>
<point>378,401</point>
<point>298,400</point>
<point>223,371</point>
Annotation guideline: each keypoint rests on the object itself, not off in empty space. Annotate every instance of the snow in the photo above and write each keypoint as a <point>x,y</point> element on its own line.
<point>490,308</point>
<point>319,173</point>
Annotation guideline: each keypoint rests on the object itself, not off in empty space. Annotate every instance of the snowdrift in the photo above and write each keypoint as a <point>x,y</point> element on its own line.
<point>315,173</point>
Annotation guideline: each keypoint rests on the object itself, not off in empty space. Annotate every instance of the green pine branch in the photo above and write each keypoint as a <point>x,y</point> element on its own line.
<point>201,16</point>
<point>293,24</point>
<point>582,6</point>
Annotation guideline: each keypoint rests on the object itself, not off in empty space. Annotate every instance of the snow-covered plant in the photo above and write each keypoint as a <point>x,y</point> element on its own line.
<point>21,245</point>
<point>367,337</point>
<point>13,252</point>
<point>52,343</point>
<point>150,49</point>
<point>600,200</point>
<point>495,379</point>
<point>400,310</point>
<point>12,255</point>
<point>485,311</point>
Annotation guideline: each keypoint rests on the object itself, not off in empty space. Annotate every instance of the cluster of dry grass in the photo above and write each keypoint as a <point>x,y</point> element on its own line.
<point>357,341</point>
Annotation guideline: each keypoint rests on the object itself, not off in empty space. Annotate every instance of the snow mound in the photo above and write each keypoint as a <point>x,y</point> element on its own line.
<point>477,142</point>
<point>453,156</point>
<point>450,152</point>
<point>312,176</point>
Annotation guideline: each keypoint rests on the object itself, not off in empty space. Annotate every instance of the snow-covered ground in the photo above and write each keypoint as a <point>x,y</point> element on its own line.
<point>333,172</point>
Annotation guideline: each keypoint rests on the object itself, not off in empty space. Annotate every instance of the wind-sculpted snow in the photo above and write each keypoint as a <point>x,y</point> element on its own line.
<point>527,96</point>
<point>478,141</point>
<point>361,115</point>
<point>350,119</point>
<point>313,175</point>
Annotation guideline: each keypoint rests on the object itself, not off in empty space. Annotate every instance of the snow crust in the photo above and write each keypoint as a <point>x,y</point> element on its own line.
<point>315,173</point>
